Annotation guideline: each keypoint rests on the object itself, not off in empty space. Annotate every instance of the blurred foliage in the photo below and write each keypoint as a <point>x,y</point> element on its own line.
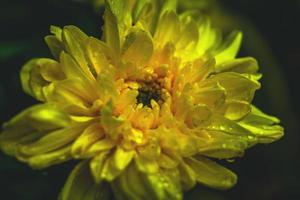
<point>270,35</point>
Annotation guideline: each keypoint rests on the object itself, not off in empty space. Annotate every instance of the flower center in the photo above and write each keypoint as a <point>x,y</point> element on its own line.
<point>148,91</point>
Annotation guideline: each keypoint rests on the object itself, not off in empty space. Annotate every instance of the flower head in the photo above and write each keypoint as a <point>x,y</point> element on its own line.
<point>144,108</point>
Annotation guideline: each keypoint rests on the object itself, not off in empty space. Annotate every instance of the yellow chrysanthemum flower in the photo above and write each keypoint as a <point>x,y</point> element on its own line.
<point>144,108</point>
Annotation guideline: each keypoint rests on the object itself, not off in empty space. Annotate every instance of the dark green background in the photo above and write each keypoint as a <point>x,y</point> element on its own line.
<point>266,172</point>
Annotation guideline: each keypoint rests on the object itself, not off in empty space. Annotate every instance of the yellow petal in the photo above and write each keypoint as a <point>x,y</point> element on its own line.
<point>37,73</point>
<point>263,126</point>
<point>235,110</point>
<point>167,162</point>
<point>116,164</point>
<point>198,115</point>
<point>167,26</point>
<point>80,185</point>
<point>239,65</point>
<point>111,31</point>
<point>208,37</point>
<point>48,159</point>
<point>164,184</point>
<point>127,97</point>
<point>57,31</point>
<point>75,41</point>
<point>219,123</point>
<point>211,174</point>
<point>97,165</point>
<point>217,144</point>
<point>146,165</point>
<point>40,117</point>
<point>90,135</point>
<point>130,185</point>
<point>55,45</point>
<point>229,48</point>
<point>187,176</point>
<point>138,47</point>
<point>98,54</point>
<point>237,86</point>
<point>53,140</point>
<point>109,122</point>
<point>99,146</point>
<point>213,95</point>
<point>106,85</point>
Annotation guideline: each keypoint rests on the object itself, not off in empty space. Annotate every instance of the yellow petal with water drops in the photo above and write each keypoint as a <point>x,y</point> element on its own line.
<point>240,65</point>
<point>211,173</point>
<point>220,123</point>
<point>80,185</point>
<point>98,54</point>
<point>164,185</point>
<point>75,42</point>
<point>237,86</point>
<point>217,144</point>
<point>263,126</point>
<point>37,73</point>
<point>229,48</point>
<point>167,26</point>
<point>151,150</point>
<point>138,47</point>
<point>53,140</point>
<point>235,110</point>
<point>90,135</point>
<point>44,160</point>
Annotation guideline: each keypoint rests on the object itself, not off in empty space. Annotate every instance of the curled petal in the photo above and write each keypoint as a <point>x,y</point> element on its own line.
<point>37,74</point>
